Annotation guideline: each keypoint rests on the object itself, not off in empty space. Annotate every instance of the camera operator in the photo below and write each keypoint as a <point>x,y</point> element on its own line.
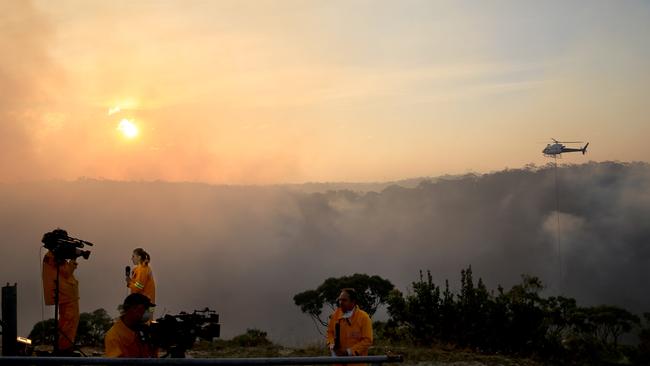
<point>68,296</point>
<point>124,338</point>
<point>60,287</point>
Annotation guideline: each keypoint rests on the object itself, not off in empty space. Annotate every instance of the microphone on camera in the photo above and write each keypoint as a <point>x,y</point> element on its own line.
<point>127,271</point>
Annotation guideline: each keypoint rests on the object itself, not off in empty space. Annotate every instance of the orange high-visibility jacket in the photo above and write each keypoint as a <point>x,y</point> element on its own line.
<point>355,332</point>
<point>120,341</point>
<point>142,282</point>
<point>68,284</point>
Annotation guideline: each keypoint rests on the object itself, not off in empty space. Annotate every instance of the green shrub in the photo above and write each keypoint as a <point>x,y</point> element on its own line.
<point>252,338</point>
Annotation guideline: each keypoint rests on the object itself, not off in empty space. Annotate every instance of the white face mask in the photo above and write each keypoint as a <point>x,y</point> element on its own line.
<point>147,316</point>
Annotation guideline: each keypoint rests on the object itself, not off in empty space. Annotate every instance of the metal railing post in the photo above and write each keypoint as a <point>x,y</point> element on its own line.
<point>9,320</point>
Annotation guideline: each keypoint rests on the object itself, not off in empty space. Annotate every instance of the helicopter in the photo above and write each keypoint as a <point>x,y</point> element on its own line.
<point>556,149</point>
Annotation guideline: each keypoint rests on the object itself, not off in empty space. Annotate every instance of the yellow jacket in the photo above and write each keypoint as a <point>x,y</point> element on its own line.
<point>120,341</point>
<point>142,282</point>
<point>68,284</point>
<point>355,332</point>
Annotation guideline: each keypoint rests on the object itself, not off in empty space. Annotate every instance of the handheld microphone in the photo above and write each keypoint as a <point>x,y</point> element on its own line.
<point>337,336</point>
<point>127,271</point>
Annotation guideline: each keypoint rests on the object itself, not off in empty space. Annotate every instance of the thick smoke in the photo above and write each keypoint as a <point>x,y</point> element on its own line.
<point>27,78</point>
<point>245,251</point>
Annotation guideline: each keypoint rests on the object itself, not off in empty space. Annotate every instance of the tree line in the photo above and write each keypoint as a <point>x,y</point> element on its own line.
<point>518,321</point>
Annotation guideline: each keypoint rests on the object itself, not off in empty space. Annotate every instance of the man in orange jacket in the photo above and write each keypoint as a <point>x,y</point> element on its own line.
<point>349,332</point>
<point>68,297</point>
<point>123,340</point>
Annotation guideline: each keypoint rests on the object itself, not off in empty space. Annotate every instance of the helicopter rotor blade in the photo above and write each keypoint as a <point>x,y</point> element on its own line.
<point>566,142</point>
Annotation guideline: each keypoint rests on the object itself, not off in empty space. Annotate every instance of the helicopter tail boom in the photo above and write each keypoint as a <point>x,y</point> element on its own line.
<point>584,149</point>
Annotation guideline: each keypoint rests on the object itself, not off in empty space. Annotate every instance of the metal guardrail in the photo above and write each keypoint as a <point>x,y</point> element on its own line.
<point>374,360</point>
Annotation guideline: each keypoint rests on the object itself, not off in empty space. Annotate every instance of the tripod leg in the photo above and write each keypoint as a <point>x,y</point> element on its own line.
<point>68,323</point>
<point>56,311</point>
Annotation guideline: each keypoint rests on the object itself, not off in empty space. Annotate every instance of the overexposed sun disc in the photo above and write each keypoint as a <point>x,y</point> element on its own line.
<point>128,129</point>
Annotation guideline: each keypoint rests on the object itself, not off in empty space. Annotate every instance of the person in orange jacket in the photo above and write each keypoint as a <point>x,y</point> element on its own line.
<point>349,332</point>
<point>141,280</point>
<point>68,297</point>
<point>123,340</point>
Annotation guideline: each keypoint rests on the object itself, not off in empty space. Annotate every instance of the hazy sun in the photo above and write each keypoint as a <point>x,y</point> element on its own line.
<point>128,129</point>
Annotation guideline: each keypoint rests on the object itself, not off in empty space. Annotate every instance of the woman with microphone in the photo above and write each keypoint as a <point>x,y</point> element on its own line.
<point>141,279</point>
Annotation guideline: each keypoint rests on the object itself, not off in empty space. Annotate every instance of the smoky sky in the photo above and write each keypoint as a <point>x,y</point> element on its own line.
<point>28,78</point>
<point>314,91</point>
<point>246,250</point>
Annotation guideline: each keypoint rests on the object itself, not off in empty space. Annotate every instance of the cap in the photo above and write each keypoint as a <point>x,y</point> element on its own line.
<point>137,299</point>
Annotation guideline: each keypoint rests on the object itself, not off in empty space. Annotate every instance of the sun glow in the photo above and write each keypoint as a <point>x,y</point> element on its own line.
<point>128,129</point>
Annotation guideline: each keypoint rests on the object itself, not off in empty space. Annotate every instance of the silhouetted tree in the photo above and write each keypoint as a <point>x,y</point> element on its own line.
<point>42,332</point>
<point>91,331</point>
<point>93,327</point>
<point>447,315</point>
<point>609,322</point>
<point>419,312</point>
<point>526,312</point>
<point>372,291</point>
<point>643,356</point>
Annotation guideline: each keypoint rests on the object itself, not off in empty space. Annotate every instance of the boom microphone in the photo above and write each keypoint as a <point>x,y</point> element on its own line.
<point>127,271</point>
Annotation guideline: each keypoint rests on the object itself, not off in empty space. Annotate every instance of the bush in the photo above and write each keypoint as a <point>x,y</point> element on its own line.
<point>252,338</point>
<point>43,332</point>
<point>91,331</point>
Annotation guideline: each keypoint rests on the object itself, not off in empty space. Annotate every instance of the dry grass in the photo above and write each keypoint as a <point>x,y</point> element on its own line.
<point>421,356</point>
<point>438,355</point>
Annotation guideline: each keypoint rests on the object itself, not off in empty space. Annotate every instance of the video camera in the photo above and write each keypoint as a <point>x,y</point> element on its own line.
<point>64,246</point>
<point>178,333</point>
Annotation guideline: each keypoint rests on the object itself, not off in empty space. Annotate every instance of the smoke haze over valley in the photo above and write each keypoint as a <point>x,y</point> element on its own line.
<point>246,250</point>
